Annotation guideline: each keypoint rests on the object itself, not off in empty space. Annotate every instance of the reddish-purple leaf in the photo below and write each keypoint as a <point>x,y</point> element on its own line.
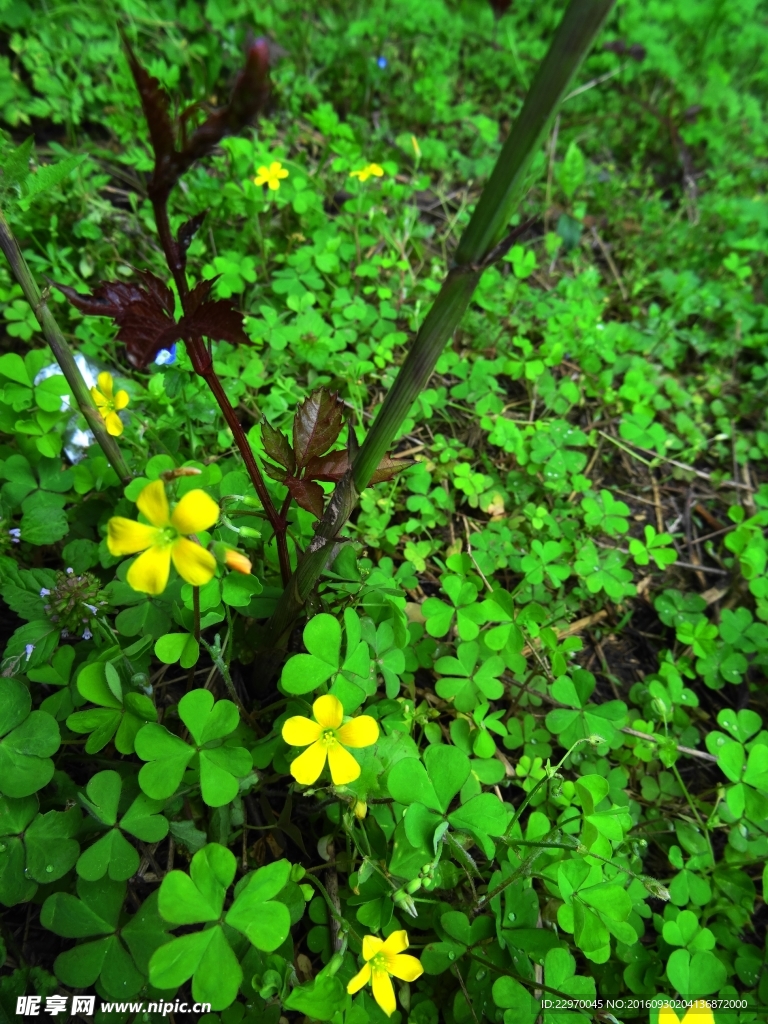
<point>307,494</point>
<point>144,315</point>
<point>110,298</point>
<point>330,468</point>
<point>216,320</point>
<point>156,106</point>
<point>188,230</point>
<point>277,447</point>
<point>275,472</point>
<point>316,425</point>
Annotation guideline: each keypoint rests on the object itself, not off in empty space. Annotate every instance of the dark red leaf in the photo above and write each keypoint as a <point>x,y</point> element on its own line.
<point>316,425</point>
<point>156,106</point>
<point>275,472</point>
<point>144,315</point>
<point>159,291</point>
<point>188,230</point>
<point>199,294</point>
<point>216,320</point>
<point>388,467</point>
<point>277,447</point>
<point>110,298</point>
<point>330,467</point>
<point>308,495</point>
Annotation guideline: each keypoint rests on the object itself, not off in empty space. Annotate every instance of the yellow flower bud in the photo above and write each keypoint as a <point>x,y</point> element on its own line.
<point>236,560</point>
<point>361,808</point>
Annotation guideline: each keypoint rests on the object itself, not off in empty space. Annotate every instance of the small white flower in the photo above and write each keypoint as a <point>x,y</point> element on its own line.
<point>15,535</point>
<point>92,609</point>
<point>44,592</point>
<point>29,649</point>
<point>87,634</point>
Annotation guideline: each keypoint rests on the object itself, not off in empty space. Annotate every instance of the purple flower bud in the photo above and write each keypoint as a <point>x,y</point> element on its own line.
<point>87,634</point>
<point>44,592</point>
<point>29,648</point>
<point>15,535</point>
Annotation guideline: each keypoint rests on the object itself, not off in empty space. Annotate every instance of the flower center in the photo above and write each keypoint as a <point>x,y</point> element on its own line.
<point>166,535</point>
<point>328,738</point>
<point>379,963</point>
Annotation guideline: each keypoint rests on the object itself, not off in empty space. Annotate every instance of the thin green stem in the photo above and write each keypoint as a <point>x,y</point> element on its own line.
<point>61,351</point>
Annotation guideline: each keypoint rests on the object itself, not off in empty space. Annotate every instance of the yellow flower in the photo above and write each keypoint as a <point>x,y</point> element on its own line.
<point>271,176</point>
<point>109,404</point>
<point>328,738</point>
<point>699,1012</point>
<point>165,539</point>
<point>365,172</point>
<point>384,958</point>
<point>360,808</point>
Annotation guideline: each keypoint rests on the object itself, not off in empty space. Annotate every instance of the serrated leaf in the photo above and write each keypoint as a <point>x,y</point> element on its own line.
<point>307,495</point>
<point>316,425</point>
<point>277,446</point>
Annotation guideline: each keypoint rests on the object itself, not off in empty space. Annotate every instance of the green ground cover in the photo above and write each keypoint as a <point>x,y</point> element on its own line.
<point>556,614</point>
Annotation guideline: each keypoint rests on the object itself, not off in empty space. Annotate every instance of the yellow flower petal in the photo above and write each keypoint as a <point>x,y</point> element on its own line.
<point>99,399</point>
<point>121,399</point>
<point>362,731</point>
<point>196,511</point>
<point>328,711</point>
<point>307,766</point>
<point>699,1013</point>
<point>149,573</point>
<point>383,992</point>
<point>395,943</point>
<point>375,170</point>
<point>300,732</point>
<point>105,384</point>
<point>193,563</point>
<point>360,979</point>
<point>667,1015</point>
<point>344,768</point>
<point>371,946</point>
<point>114,424</point>
<point>153,503</point>
<point>126,537</point>
<point>405,967</point>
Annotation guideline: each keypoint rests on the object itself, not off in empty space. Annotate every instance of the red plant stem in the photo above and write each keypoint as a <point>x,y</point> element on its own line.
<point>176,265</point>
<point>277,521</point>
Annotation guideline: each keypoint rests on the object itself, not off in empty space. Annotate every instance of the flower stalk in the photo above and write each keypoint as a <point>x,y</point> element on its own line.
<point>61,351</point>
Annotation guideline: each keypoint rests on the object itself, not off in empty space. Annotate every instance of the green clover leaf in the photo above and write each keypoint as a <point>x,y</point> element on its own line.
<point>221,761</point>
<point>29,738</point>
<point>34,848</point>
<point>112,853</point>
<point>198,898</point>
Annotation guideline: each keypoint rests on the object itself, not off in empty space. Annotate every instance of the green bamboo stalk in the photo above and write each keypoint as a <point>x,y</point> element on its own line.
<point>61,351</point>
<point>572,41</point>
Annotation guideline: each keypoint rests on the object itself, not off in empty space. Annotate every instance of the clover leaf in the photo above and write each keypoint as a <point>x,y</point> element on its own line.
<point>198,898</point>
<point>468,684</point>
<point>322,638</point>
<point>219,757</point>
<point>115,953</point>
<point>427,790</point>
<point>119,714</point>
<point>602,720</point>
<point>469,615</point>
<point>112,853</point>
<point>28,740</point>
<point>34,848</point>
